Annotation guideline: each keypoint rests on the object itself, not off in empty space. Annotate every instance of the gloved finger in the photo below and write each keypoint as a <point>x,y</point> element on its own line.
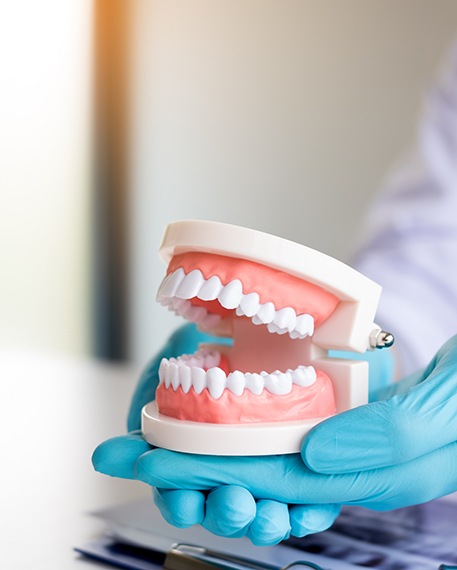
<point>286,479</point>
<point>180,508</point>
<point>399,387</point>
<point>117,456</point>
<point>309,519</point>
<point>271,523</point>
<point>388,432</point>
<point>230,510</point>
<point>184,340</point>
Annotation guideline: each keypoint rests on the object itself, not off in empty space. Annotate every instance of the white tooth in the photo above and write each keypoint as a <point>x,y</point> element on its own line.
<point>285,318</point>
<point>196,314</point>
<point>266,313</point>
<point>272,328</point>
<point>279,383</point>
<point>216,380</point>
<point>231,294</point>
<point>185,378</point>
<point>305,325</point>
<point>173,372</point>
<point>239,312</point>
<point>190,285</point>
<point>256,321</point>
<point>210,321</point>
<point>304,376</point>
<point>163,370</point>
<point>250,304</point>
<point>178,303</point>
<point>236,382</point>
<point>171,285</point>
<point>184,308</point>
<point>294,335</point>
<point>212,359</point>
<point>160,296</point>
<point>198,379</point>
<point>210,289</point>
<point>254,383</point>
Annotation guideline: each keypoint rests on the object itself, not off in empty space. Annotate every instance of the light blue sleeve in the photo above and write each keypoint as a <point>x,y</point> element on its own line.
<point>408,243</point>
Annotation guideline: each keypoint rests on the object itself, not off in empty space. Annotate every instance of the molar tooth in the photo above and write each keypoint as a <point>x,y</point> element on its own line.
<point>170,286</point>
<point>198,376</point>
<point>236,382</point>
<point>295,334</point>
<point>279,383</point>
<point>304,376</point>
<point>305,325</point>
<point>266,313</point>
<point>254,383</point>
<point>216,380</point>
<point>190,285</point>
<point>256,321</point>
<point>210,289</point>
<point>250,304</point>
<point>185,378</point>
<point>239,312</point>
<point>163,370</point>
<point>231,294</point>
<point>272,328</point>
<point>285,318</point>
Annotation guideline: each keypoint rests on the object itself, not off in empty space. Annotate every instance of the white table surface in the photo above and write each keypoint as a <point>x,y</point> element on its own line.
<point>54,410</point>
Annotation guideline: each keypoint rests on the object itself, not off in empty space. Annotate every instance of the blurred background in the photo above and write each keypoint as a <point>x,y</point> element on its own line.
<point>120,116</point>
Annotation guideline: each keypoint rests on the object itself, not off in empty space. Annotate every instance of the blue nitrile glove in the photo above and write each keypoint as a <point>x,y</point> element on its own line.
<point>410,436</point>
<point>387,454</point>
<point>248,496</point>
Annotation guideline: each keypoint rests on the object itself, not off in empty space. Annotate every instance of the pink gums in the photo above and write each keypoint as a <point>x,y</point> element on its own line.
<point>271,284</point>
<point>315,401</point>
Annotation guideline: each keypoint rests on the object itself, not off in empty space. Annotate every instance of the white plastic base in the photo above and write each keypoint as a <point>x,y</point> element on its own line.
<point>266,438</point>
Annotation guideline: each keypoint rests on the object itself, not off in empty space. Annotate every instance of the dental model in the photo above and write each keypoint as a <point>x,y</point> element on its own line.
<point>284,305</point>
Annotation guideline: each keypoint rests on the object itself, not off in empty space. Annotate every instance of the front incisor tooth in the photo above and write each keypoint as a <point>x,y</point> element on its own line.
<point>198,376</point>
<point>231,294</point>
<point>236,382</point>
<point>278,383</point>
<point>160,296</point>
<point>254,383</point>
<point>210,289</point>
<point>185,378</point>
<point>250,304</point>
<point>163,370</point>
<point>173,374</point>
<point>190,285</point>
<point>216,381</point>
<point>171,285</point>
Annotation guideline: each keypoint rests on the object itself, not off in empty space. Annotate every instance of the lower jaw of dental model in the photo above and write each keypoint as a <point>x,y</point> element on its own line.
<point>271,317</point>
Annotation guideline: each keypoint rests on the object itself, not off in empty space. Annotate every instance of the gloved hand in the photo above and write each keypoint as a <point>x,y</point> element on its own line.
<point>228,511</point>
<point>387,454</point>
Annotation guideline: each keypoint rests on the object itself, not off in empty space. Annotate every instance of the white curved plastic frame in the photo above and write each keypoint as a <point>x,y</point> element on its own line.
<point>348,328</point>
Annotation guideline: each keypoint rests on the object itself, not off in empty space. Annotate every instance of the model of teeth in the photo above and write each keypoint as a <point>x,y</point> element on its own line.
<point>284,305</point>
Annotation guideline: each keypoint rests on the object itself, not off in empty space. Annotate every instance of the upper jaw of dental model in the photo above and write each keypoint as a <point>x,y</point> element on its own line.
<point>203,293</point>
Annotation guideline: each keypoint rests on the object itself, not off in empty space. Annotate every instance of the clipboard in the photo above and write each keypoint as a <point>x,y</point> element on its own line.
<point>179,557</point>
